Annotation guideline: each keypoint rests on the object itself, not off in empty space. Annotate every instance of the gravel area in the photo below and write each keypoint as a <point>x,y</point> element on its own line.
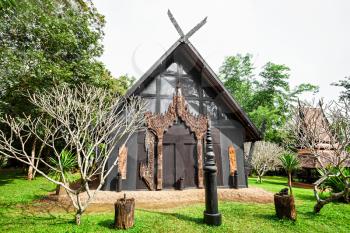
<point>173,198</point>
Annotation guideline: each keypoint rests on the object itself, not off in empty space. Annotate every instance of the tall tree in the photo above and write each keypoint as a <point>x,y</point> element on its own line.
<point>271,99</point>
<point>123,83</point>
<point>267,97</point>
<point>237,74</point>
<point>45,43</point>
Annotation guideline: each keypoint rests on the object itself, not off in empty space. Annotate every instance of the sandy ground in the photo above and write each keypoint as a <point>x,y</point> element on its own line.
<point>172,198</point>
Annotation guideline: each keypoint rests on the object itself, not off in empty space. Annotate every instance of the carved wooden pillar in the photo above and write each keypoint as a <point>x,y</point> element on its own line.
<point>232,158</point>
<point>160,162</point>
<point>123,156</point>
<point>146,169</point>
<point>200,162</point>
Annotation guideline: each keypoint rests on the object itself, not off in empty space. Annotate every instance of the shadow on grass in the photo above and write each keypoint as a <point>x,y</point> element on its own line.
<point>305,197</point>
<point>107,224</point>
<point>183,217</point>
<point>274,182</point>
<point>310,214</point>
<point>7,176</point>
<point>36,220</point>
<point>274,218</point>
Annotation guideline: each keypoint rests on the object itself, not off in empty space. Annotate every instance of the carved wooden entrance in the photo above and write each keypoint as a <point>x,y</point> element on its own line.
<point>157,124</point>
<point>179,157</point>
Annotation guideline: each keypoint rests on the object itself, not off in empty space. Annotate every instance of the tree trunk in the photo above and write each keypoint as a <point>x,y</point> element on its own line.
<point>259,179</point>
<point>285,207</point>
<point>336,196</point>
<point>32,161</point>
<point>124,213</point>
<point>290,183</point>
<point>60,190</point>
<point>78,217</point>
<point>38,159</point>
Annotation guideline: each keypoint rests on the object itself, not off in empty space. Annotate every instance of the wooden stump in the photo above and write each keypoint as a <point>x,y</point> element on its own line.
<point>285,207</point>
<point>124,213</point>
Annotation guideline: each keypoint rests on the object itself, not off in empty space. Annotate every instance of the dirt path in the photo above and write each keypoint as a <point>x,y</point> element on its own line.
<point>170,198</point>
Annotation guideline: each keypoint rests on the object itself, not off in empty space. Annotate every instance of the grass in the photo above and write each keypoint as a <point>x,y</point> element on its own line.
<point>17,196</point>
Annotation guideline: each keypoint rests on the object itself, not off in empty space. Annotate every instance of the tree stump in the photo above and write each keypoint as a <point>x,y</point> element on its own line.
<point>124,213</point>
<point>285,207</point>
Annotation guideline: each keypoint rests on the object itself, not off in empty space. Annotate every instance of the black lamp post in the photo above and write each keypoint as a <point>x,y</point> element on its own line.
<point>211,213</point>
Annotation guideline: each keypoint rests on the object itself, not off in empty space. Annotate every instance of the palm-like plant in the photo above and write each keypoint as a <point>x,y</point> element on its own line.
<point>63,167</point>
<point>290,163</point>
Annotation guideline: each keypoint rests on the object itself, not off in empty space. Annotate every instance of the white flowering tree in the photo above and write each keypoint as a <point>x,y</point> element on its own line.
<point>265,157</point>
<point>86,121</point>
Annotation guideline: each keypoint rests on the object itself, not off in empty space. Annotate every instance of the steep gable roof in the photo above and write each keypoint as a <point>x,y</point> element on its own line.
<point>186,53</point>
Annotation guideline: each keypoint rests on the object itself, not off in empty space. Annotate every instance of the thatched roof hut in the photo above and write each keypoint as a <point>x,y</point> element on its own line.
<point>317,128</point>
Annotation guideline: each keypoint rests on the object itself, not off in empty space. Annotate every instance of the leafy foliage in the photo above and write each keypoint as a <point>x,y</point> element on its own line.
<point>345,84</point>
<point>290,162</point>
<point>45,43</point>
<point>123,83</point>
<point>335,183</point>
<point>237,74</point>
<point>67,162</point>
<point>3,161</point>
<point>266,97</point>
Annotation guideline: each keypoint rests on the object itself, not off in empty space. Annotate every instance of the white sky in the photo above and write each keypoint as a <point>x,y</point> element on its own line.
<point>311,37</point>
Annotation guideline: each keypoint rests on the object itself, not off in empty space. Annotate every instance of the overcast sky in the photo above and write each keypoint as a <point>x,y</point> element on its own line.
<point>311,37</point>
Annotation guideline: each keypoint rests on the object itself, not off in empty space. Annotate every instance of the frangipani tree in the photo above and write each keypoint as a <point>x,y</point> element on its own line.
<point>88,122</point>
<point>265,157</point>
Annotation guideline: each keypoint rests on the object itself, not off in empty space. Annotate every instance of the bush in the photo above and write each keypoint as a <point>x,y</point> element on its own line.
<point>3,161</point>
<point>335,183</point>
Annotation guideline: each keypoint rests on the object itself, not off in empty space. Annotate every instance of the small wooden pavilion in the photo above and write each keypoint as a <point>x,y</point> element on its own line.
<point>322,151</point>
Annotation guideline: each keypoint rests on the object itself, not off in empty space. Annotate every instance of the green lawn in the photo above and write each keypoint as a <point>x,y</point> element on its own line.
<point>17,195</point>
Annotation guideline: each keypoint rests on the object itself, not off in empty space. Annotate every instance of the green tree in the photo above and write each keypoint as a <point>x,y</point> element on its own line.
<point>237,75</point>
<point>46,43</point>
<point>290,163</point>
<point>345,84</point>
<point>123,83</point>
<point>267,97</point>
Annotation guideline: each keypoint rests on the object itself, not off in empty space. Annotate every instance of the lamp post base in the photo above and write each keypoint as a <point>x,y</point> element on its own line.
<point>212,219</point>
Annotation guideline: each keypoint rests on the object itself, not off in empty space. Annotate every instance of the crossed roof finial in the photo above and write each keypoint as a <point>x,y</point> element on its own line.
<point>183,36</point>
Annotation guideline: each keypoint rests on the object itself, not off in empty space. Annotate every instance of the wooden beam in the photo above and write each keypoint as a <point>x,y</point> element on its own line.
<point>196,28</point>
<point>176,25</point>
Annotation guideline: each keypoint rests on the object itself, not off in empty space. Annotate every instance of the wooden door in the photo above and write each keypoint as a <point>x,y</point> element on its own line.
<point>169,167</point>
<point>189,160</point>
